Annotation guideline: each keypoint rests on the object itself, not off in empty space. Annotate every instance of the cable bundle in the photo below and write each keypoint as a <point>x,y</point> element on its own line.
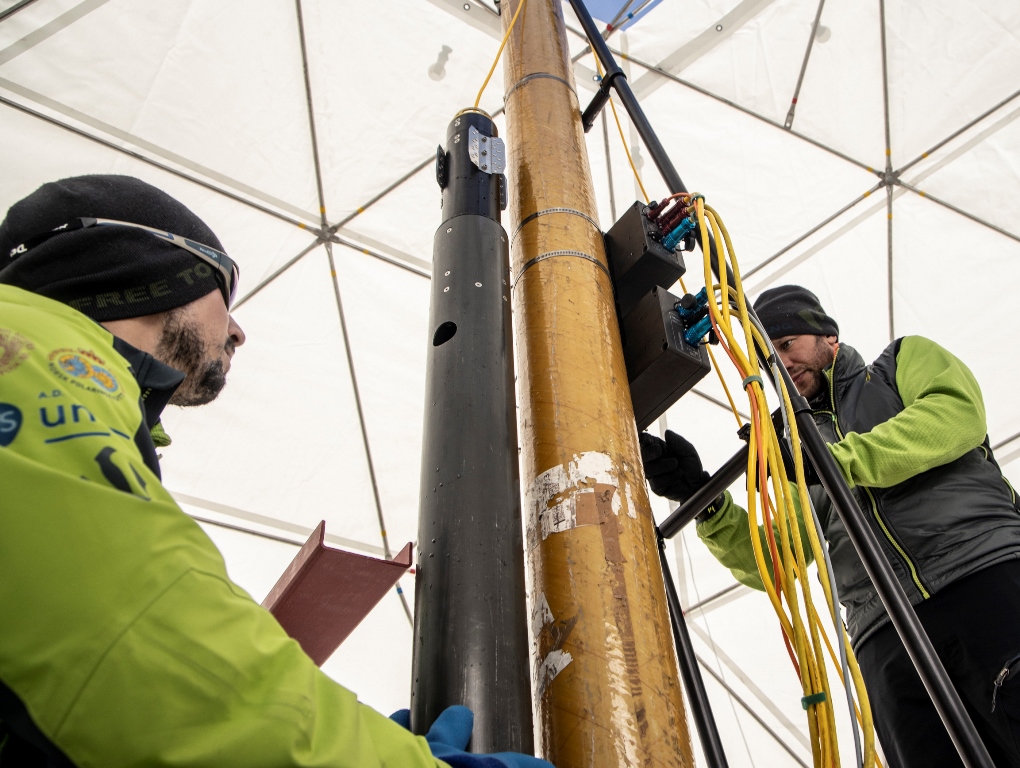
<point>802,629</point>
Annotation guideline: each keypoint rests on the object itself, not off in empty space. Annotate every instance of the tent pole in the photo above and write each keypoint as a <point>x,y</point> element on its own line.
<point>606,682</point>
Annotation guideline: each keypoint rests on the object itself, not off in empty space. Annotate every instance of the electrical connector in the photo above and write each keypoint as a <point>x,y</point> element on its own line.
<point>673,239</point>
<point>693,305</point>
<point>696,332</point>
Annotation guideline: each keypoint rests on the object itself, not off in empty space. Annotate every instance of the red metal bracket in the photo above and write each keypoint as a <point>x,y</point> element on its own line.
<point>325,593</point>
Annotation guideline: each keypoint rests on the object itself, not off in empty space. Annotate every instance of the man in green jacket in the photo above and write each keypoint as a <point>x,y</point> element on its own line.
<point>123,641</point>
<point>908,433</point>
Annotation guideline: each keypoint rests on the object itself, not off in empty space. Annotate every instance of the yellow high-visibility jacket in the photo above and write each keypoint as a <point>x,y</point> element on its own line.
<point>122,640</point>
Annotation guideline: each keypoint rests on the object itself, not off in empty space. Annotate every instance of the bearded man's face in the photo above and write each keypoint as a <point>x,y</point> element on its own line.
<point>199,340</point>
<point>806,357</point>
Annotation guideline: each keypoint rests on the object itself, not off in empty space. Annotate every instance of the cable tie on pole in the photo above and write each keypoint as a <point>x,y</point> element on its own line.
<point>814,698</point>
<point>750,379</point>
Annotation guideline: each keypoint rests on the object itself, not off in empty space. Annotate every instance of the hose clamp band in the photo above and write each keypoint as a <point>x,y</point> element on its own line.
<point>547,211</point>
<point>542,257</point>
<point>537,76</point>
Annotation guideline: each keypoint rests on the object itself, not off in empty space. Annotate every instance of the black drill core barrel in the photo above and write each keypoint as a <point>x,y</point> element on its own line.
<point>467,187</point>
<point>471,645</point>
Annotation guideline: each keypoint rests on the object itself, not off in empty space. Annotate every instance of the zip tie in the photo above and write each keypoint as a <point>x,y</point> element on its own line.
<point>750,379</point>
<point>814,698</point>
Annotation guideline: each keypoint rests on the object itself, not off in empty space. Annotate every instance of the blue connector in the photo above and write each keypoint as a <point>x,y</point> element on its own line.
<point>699,305</point>
<point>670,241</point>
<point>696,332</point>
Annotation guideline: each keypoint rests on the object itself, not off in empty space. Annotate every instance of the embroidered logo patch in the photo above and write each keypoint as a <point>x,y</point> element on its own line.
<point>14,349</point>
<point>86,370</point>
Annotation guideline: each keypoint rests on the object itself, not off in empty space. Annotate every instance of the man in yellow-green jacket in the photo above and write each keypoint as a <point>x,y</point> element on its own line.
<point>909,435</point>
<point>122,640</point>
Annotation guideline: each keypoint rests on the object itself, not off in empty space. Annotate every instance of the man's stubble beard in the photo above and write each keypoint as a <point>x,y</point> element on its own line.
<point>181,346</point>
<point>823,357</point>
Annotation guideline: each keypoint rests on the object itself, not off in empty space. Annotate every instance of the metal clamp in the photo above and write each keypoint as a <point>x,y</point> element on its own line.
<point>486,152</point>
<point>552,254</point>
<point>547,211</point>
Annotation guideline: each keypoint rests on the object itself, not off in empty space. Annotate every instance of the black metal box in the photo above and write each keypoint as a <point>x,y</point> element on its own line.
<point>637,260</point>
<point>661,366</point>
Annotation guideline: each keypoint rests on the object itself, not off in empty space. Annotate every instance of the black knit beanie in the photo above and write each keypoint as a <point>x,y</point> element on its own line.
<point>791,310</point>
<point>107,273</point>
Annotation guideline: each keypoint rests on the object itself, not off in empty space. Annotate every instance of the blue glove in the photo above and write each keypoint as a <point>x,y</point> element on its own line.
<point>450,734</point>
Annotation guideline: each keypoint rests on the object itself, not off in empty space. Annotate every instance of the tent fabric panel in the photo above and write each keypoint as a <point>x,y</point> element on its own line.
<point>150,77</point>
<point>283,438</point>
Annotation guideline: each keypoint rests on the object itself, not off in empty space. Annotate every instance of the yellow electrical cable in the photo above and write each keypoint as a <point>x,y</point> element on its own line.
<point>807,640</point>
<point>629,158</point>
<point>637,176</point>
<point>865,714</point>
<point>495,61</point>
<point>867,725</point>
<point>718,372</point>
<point>812,532</point>
<point>789,530</point>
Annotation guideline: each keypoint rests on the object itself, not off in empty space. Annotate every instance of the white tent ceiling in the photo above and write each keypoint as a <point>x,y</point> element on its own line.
<point>210,100</point>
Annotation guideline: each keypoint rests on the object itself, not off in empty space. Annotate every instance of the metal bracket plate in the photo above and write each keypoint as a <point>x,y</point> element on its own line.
<point>325,593</point>
<point>486,152</point>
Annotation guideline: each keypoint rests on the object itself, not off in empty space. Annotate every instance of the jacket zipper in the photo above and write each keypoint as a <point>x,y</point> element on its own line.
<point>1007,671</point>
<point>874,503</point>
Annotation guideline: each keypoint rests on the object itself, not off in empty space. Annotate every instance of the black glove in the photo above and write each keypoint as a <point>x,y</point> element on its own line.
<point>672,466</point>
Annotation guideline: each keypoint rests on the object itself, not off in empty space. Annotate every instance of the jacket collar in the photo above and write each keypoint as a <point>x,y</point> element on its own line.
<point>158,381</point>
<point>847,364</point>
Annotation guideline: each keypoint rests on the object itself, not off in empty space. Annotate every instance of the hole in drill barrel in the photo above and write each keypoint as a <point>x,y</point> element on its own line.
<point>444,333</point>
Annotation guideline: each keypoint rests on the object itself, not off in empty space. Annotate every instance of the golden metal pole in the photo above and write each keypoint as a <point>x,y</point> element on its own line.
<point>606,677</point>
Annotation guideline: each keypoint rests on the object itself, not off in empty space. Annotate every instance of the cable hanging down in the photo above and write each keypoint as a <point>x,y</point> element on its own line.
<point>513,22</point>
<point>786,512</point>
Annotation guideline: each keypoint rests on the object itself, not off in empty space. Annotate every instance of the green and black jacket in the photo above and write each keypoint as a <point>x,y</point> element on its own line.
<point>909,434</point>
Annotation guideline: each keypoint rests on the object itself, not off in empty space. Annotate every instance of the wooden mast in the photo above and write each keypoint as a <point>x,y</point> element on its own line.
<point>606,679</point>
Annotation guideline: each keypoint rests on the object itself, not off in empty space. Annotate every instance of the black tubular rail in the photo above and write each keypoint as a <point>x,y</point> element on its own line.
<point>724,477</point>
<point>616,79</point>
<point>936,681</point>
<point>704,721</point>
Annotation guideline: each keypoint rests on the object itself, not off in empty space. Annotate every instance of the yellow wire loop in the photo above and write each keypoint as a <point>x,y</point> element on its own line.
<point>783,567</point>
<point>616,117</point>
<point>499,53</point>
